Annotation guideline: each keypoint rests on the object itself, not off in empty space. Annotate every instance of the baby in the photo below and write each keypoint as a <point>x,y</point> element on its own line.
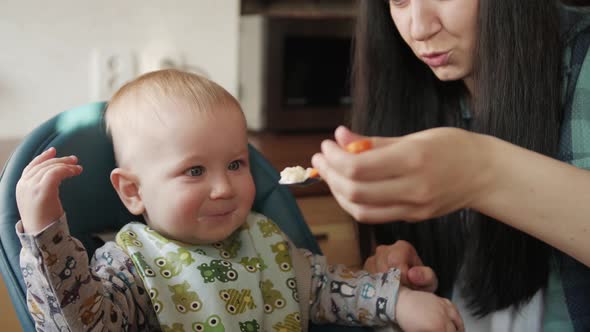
<point>204,261</point>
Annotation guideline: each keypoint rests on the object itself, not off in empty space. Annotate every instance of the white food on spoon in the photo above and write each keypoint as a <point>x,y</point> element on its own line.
<point>295,174</point>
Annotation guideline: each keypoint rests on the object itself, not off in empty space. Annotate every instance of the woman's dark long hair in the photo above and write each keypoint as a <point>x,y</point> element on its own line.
<point>517,73</point>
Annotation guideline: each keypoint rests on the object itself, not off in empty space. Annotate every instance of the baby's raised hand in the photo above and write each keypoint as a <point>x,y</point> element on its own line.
<point>37,191</point>
<point>418,311</point>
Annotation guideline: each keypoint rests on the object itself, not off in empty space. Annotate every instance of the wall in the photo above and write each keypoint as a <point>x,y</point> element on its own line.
<point>46,63</point>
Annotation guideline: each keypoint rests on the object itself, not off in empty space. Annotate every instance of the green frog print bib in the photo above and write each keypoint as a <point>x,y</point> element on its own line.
<point>244,283</point>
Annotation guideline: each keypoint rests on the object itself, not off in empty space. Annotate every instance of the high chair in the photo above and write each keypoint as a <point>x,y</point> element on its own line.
<point>93,206</point>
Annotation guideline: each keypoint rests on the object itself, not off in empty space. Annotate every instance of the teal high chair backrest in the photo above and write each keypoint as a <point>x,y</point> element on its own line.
<point>92,204</point>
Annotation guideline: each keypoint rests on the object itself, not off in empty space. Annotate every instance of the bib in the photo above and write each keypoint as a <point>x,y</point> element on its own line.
<point>244,283</point>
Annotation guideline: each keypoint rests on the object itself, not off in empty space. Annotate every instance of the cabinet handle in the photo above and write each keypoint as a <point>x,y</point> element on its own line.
<point>321,237</point>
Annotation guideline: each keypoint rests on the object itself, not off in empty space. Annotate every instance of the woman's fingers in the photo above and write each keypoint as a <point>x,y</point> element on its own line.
<point>372,164</point>
<point>414,274</point>
<point>401,252</point>
<point>384,264</point>
<point>423,278</point>
<point>370,265</point>
<point>344,136</point>
<point>411,178</point>
<point>378,192</point>
<point>387,191</point>
<point>390,199</point>
<point>403,256</point>
<point>381,214</point>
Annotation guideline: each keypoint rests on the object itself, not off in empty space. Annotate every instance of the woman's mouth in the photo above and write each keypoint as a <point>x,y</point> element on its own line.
<point>436,59</point>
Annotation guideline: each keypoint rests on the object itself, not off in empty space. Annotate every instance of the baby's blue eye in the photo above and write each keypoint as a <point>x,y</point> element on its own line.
<point>195,171</point>
<point>234,165</point>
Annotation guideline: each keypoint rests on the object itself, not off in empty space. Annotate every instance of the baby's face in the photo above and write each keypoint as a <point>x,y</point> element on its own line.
<point>194,175</point>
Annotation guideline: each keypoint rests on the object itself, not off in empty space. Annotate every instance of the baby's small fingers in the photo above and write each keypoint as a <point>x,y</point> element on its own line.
<point>45,164</point>
<point>55,174</point>
<point>46,183</point>
<point>455,317</point>
<point>47,180</point>
<point>450,327</point>
<point>45,155</point>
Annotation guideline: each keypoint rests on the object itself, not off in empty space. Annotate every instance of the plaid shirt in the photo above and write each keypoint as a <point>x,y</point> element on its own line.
<point>575,149</point>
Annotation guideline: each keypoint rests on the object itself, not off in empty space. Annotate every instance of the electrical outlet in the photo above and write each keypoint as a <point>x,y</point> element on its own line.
<point>197,70</point>
<point>111,69</point>
<point>162,56</point>
<point>156,59</point>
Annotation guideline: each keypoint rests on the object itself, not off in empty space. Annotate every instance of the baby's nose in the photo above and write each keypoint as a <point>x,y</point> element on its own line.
<point>221,188</point>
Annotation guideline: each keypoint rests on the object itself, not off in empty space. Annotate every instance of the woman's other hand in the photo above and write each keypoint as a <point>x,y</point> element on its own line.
<point>412,178</point>
<point>403,256</point>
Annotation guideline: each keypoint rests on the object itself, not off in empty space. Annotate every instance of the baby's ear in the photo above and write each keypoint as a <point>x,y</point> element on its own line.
<point>127,186</point>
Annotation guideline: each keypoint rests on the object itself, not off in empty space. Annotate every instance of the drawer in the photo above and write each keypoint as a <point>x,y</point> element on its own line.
<point>335,230</point>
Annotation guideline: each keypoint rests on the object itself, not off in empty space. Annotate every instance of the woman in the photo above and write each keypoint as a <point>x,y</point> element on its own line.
<point>492,209</point>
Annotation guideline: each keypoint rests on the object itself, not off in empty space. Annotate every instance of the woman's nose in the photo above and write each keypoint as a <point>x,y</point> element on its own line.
<point>221,187</point>
<point>425,21</point>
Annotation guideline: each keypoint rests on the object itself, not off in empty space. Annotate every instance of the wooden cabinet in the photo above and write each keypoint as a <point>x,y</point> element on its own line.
<point>334,229</point>
<point>306,8</point>
<point>8,319</point>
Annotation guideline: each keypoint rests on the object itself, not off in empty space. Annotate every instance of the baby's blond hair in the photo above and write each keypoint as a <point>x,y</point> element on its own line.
<point>147,93</point>
<point>156,87</point>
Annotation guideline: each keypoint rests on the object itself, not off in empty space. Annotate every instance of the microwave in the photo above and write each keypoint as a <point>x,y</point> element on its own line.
<point>294,72</point>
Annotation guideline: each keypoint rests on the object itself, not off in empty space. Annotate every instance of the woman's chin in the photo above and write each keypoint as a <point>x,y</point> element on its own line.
<point>448,74</point>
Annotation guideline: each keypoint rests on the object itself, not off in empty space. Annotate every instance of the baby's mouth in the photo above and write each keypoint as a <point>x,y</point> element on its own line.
<point>216,214</point>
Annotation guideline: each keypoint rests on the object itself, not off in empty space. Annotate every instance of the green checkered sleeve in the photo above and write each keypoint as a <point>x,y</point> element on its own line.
<point>575,134</point>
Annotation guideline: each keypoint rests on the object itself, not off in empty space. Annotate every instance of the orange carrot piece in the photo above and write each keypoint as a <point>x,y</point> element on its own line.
<point>359,146</point>
<point>313,173</point>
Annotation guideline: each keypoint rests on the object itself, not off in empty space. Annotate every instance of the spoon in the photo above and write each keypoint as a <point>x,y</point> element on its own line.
<point>299,176</point>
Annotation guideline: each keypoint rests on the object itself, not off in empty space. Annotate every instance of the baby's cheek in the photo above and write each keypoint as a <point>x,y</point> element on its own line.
<point>248,192</point>
<point>188,207</point>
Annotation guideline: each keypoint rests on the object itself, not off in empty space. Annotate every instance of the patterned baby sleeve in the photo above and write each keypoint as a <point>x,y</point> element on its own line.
<point>65,292</point>
<point>342,296</point>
